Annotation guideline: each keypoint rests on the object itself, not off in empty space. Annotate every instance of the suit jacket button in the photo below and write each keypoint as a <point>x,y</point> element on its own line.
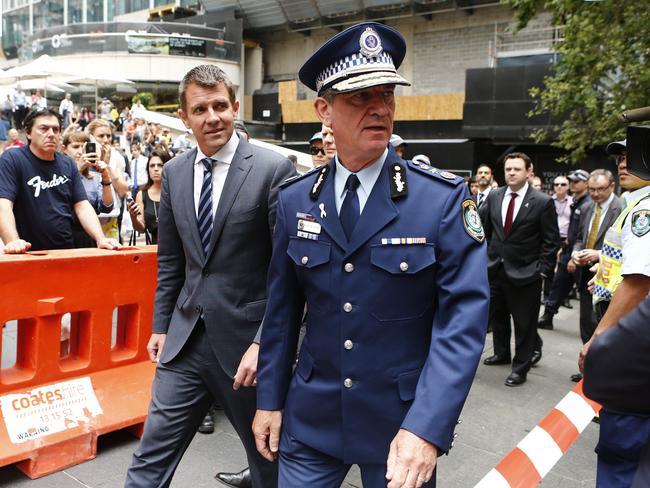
<point>347,307</point>
<point>304,260</point>
<point>349,267</point>
<point>206,274</point>
<point>348,344</point>
<point>404,266</point>
<point>197,309</point>
<point>347,383</point>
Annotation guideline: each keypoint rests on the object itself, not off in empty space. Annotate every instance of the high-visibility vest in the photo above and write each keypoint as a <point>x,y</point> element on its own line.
<point>610,263</point>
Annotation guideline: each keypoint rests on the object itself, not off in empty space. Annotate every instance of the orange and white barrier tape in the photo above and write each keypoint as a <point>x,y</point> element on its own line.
<point>537,453</point>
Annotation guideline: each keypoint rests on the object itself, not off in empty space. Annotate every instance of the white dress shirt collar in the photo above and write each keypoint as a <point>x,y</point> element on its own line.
<point>367,179</point>
<point>223,155</point>
<point>605,205</point>
<point>521,193</point>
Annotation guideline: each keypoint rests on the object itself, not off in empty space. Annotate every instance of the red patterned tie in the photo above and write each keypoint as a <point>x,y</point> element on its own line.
<point>509,213</point>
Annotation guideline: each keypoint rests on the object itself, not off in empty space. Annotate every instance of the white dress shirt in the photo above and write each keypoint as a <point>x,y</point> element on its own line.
<point>139,171</point>
<point>603,210</point>
<point>483,198</point>
<point>367,178</point>
<point>219,171</point>
<point>518,201</point>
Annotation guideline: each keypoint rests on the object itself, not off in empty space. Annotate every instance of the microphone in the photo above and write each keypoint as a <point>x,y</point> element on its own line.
<point>635,115</point>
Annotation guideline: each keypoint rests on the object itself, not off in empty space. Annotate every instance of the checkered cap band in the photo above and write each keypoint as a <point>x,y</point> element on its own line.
<point>354,64</point>
<point>602,293</point>
<point>612,252</point>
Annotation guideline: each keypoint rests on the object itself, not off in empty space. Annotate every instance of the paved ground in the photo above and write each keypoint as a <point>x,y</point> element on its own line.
<point>495,418</point>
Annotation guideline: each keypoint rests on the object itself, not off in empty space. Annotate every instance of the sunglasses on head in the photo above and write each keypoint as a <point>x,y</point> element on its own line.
<point>314,150</point>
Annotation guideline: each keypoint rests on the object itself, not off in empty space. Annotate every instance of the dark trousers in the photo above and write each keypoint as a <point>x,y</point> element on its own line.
<point>547,285</point>
<point>183,390</point>
<point>19,115</point>
<point>642,477</point>
<point>522,302</point>
<point>588,321</point>
<point>301,467</point>
<point>621,441</point>
<point>601,309</point>
<point>562,284</point>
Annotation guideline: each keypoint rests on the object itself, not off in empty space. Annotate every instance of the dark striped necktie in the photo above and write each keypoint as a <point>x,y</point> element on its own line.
<point>204,217</point>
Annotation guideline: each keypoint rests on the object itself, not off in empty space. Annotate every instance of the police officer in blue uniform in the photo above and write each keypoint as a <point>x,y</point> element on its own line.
<point>390,259</point>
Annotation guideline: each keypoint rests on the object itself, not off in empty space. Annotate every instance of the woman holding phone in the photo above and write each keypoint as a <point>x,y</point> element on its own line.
<point>96,178</point>
<point>101,133</point>
<point>144,209</point>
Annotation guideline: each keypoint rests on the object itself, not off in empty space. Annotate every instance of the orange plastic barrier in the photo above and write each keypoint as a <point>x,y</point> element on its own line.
<point>60,395</point>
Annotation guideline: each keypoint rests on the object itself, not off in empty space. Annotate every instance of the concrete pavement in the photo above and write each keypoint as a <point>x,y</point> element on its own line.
<point>494,420</point>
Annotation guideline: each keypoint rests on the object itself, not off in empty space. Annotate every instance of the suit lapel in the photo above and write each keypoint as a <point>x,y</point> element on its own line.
<point>524,210</point>
<point>189,210</point>
<point>239,168</point>
<point>495,208</point>
<point>377,213</point>
<point>324,210</point>
<point>608,220</point>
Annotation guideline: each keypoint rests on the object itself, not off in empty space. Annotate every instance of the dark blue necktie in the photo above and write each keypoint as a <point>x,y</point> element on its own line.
<point>350,208</point>
<point>204,216</point>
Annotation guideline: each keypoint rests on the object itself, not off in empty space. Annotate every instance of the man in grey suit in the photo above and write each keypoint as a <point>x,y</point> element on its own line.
<point>599,216</point>
<point>216,219</point>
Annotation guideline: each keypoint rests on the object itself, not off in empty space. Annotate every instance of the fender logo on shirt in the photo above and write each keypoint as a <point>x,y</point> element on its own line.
<point>39,184</point>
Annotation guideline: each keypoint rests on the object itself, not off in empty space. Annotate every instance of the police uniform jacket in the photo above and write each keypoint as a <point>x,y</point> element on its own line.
<point>396,317</point>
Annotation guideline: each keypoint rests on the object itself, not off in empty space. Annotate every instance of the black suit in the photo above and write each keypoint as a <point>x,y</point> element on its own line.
<point>210,308</point>
<point>516,263</point>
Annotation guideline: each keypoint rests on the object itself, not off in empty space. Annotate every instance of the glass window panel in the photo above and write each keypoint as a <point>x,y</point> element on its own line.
<point>95,11</point>
<point>48,13</point>
<point>75,11</point>
<point>15,29</point>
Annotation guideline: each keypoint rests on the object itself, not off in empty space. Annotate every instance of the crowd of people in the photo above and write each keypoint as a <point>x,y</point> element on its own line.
<point>120,171</point>
<point>374,313</point>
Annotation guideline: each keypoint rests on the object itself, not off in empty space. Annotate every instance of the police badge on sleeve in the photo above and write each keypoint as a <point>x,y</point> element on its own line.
<point>472,221</point>
<point>640,222</point>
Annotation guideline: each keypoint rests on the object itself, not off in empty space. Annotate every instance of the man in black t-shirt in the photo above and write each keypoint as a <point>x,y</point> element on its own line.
<point>40,190</point>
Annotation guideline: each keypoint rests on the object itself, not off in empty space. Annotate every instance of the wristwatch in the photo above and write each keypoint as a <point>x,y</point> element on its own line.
<point>107,183</point>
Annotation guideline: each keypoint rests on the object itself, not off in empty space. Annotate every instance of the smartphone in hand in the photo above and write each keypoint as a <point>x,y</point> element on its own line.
<point>91,147</point>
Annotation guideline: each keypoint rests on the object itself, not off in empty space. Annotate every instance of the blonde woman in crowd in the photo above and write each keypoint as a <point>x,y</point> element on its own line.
<point>101,133</point>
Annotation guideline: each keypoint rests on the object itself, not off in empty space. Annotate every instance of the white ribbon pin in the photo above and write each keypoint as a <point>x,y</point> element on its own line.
<point>323,214</point>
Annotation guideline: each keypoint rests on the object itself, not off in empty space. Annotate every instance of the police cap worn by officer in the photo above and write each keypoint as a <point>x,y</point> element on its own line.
<point>578,175</point>
<point>396,141</point>
<point>361,56</point>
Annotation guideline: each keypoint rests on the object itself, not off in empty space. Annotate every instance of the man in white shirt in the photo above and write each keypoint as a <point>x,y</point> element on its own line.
<point>139,176</point>
<point>65,109</point>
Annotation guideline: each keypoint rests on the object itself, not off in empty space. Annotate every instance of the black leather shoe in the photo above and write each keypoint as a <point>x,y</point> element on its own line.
<point>545,321</point>
<point>567,303</point>
<point>576,377</point>
<point>494,360</point>
<point>535,358</point>
<point>238,480</point>
<point>515,379</point>
<point>207,426</point>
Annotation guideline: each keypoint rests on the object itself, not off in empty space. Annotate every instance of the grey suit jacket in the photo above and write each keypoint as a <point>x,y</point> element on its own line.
<point>529,249</point>
<point>227,288</point>
<point>612,213</point>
